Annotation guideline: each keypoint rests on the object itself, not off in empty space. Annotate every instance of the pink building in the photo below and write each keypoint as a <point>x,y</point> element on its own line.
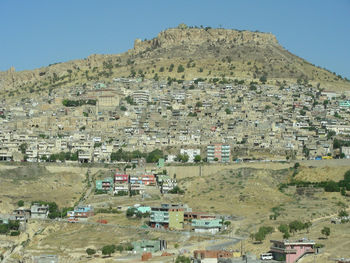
<point>121,178</point>
<point>148,179</point>
<point>291,251</point>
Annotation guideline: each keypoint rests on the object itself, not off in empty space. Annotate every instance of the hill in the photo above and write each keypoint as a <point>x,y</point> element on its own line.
<point>182,53</point>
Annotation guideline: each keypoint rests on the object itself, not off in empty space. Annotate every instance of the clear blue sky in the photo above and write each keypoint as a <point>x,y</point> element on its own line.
<point>40,32</point>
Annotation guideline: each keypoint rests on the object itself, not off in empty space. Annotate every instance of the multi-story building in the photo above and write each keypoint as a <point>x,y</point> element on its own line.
<point>21,214</point>
<point>207,225</point>
<point>105,184</point>
<point>167,216</point>
<point>121,183</point>
<point>141,96</point>
<point>166,183</point>
<point>191,153</point>
<point>291,251</point>
<point>218,152</point>
<point>39,211</point>
<point>80,213</point>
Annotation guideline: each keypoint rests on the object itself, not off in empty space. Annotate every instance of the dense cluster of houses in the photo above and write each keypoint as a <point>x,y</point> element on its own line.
<point>191,117</point>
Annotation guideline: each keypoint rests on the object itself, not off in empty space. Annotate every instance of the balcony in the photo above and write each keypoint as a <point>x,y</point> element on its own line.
<point>283,250</point>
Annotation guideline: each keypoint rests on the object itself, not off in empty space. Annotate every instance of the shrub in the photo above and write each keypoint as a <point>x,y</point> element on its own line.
<point>176,190</point>
<point>332,186</point>
<point>326,231</point>
<point>15,233</point>
<point>180,69</point>
<point>182,259</point>
<point>90,251</point>
<point>343,213</point>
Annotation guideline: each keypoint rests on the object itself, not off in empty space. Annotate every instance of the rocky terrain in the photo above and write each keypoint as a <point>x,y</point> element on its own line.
<point>201,53</point>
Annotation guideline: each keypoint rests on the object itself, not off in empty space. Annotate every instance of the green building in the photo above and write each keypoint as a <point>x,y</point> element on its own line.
<point>105,184</point>
<point>167,216</point>
<point>144,209</point>
<point>207,225</point>
<point>160,163</point>
<point>344,103</point>
<point>149,246</point>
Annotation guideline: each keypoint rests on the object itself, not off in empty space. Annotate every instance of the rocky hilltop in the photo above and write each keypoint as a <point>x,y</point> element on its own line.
<point>196,37</point>
<point>181,53</point>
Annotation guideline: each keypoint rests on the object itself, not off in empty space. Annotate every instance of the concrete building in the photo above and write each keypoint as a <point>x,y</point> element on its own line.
<point>346,151</point>
<point>39,211</point>
<point>167,216</point>
<point>210,256</point>
<point>212,226</point>
<point>149,246</point>
<point>191,153</point>
<point>291,251</point>
<point>218,152</point>
<point>106,184</point>
<point>80,213</point>
<point>176,219</point>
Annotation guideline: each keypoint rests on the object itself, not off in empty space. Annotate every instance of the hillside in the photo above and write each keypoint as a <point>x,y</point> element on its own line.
<point>181,53</point>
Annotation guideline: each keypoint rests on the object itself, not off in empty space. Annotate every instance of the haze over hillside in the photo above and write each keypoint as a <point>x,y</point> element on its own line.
<point>182,53</point>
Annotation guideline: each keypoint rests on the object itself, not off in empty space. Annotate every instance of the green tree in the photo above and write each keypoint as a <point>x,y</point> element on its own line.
<point>259,236</point>
<point>295,226</point>
<point>197,158</point>
<point>326,231</point>
<point>90,251</point>
<point>120,248</point>
<point>343,213</point>
<point>108,250</point>
<point>43,158</point>
<point>20,203</point>
<point>62,156</point>
<point>263,79</point>
<point>154,156</point>
<point>336,144</point>
<point>180,69</point>
<point>347,176</point>
<point>307,225</point>
<point>176,190</point>
<point>23,148</point>
<point>182,259</point>
<point>332,186</point>
<point>330,134</point>
<point>283,228</point>
<point>131,211</point>
<point>4,228</point>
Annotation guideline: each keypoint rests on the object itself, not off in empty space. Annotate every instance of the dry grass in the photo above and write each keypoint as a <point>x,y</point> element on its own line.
<point>249,192</point>
<point>30,183</point>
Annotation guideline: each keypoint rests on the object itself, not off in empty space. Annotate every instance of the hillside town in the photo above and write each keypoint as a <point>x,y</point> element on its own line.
<point>189,121</point>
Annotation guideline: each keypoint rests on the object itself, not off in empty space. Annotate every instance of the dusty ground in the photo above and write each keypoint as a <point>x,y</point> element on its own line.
<point>248,192</point>
<point>29,183</point>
